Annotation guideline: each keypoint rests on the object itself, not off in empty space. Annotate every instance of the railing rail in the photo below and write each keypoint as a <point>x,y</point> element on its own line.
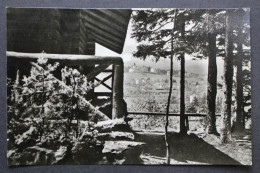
<point>67,59</point>
<point>170,114</point>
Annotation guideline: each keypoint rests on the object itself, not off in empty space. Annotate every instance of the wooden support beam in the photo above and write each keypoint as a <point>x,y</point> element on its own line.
<point>117,109</point>
<point>66,59</point>
<point>96,71</point>
<point>103,83</point>
<point>108,77</point>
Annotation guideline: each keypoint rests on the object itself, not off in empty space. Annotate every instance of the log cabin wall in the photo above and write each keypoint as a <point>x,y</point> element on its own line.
<point>69,31</point>
<point>33,30</point>
<point>60,31</point>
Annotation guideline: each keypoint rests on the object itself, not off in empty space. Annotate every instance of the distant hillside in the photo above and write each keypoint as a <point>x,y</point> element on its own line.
<point>192,66</point>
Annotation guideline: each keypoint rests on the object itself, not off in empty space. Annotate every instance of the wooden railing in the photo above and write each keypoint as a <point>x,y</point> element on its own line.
<point>20,60</point>
<point>170,114</point>
<point>164,114</point>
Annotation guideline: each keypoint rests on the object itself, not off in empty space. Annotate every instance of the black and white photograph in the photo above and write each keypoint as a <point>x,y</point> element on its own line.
<point>140,86</point>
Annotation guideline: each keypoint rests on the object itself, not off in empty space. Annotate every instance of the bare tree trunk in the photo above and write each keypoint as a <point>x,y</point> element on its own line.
<point>169,96</point>
<point>239,121</point>
<point>228,80</point>
<point>167,115</point>
<point>212,85</point>
<point>183,128</point>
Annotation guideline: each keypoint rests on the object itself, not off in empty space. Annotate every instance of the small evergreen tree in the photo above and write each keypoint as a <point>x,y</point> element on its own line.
<point>48,105</point>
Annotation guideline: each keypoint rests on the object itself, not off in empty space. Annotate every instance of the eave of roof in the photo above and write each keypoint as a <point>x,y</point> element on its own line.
<point>108,27</point>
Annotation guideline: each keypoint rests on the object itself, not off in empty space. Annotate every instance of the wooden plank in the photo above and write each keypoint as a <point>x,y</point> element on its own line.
<point>111,16</point>
<point>107,41</point>
<point>92,16</point>
<point>100,32</point>
<point>66,59</point>
<point>170,114</point>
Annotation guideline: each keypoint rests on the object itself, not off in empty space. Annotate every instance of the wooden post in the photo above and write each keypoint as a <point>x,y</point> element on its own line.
<point>117,109</point>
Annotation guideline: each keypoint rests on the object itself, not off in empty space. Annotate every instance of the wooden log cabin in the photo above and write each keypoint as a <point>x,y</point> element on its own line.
<point>69,36</point>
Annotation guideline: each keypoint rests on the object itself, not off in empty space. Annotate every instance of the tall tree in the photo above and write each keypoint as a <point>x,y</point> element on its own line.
<point>170,94</point>
<point>242,39</point>
<point>212,85</point>
<point>183,119</point>
<point>209,25</point>
<point>239,87</point>
<point>246,65</point>
<point>225,134</point>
